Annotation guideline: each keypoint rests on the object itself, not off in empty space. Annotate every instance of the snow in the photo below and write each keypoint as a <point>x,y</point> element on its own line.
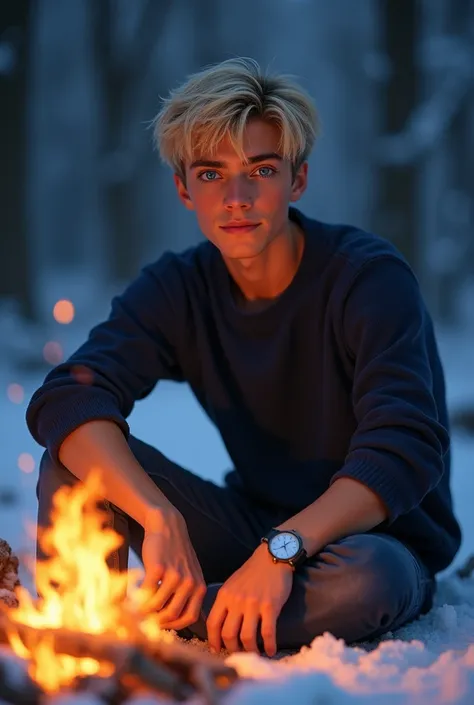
<point>428,662</point>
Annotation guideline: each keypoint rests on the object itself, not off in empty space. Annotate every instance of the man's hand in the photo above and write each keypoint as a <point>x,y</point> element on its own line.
<point>172,571</point>
<point>255,592</point>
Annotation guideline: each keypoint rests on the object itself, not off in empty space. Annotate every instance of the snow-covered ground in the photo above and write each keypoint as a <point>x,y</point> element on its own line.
<point>430,661</point>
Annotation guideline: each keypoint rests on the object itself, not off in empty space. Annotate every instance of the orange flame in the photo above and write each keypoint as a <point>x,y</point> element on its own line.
<point>78,590</point>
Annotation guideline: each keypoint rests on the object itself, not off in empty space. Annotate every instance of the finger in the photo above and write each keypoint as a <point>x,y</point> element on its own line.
<point>178,602</point>
<point>248,631</point>
<point>191,612</point>
<point>169,584</point>
<point>214,624</point>
<point>268,628</point>
<point>153,576</point>
<point>231,630</point>
<point>174,607</point>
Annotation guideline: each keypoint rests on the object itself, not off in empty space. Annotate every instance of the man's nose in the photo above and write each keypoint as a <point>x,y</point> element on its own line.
<point>238,193</point>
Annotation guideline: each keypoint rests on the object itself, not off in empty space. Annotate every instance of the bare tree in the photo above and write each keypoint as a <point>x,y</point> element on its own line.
<point>123,71</point>
<point>15,280</point>
<point>395,205</point>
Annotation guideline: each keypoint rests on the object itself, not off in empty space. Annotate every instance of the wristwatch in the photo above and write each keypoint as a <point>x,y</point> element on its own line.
<point>285,547</point>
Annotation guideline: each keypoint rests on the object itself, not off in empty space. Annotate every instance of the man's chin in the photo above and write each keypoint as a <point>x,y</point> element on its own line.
<point>242,251</point>
<point>241,255</point>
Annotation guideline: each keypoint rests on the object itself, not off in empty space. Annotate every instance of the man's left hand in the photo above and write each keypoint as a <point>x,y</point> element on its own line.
<point>254,594</point>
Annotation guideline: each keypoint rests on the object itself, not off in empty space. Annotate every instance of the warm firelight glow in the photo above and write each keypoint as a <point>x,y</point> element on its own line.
<point>82,374</point>
<point>53,353</point>
<point>15,393</point>
<point>26,463</point>
<point>79,591</point>
<point>63,311</point>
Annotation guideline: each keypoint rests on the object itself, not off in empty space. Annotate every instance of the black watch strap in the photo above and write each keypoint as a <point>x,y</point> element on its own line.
<point>268,537</point>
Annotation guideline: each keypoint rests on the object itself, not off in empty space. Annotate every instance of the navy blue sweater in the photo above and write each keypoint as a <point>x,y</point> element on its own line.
<point>338,377</point>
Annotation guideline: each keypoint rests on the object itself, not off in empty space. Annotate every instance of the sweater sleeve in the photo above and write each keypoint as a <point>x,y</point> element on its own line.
<point>399,445</point>
<point>121,362</point>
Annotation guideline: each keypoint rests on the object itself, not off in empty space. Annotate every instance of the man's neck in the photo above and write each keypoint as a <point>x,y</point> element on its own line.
<point>265,278</point>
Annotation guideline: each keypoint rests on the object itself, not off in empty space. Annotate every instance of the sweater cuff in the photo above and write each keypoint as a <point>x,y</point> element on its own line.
<point>381,481</point>
<point>91,405</point>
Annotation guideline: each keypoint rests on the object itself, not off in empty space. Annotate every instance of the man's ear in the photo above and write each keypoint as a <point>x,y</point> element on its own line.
<point>300,182</point>
<point>183,192</point>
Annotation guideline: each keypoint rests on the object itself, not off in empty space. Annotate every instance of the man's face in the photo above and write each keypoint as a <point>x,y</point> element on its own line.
<point>240,207</point>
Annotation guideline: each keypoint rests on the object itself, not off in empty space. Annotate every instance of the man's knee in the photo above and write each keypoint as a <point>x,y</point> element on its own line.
<point>51,476</point>
<point>374,567</point>
<point>362,586</point>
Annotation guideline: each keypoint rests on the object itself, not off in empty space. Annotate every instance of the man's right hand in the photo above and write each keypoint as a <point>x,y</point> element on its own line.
<point>172,571</point>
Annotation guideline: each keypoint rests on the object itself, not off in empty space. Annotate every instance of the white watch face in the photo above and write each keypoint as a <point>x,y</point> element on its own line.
<point>284,546</point>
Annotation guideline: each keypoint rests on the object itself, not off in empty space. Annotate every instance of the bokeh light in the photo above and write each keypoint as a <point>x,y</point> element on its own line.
<point>15,393</point>
<point>63,311</point>
<point>53,352</point>
<point>26,463</point>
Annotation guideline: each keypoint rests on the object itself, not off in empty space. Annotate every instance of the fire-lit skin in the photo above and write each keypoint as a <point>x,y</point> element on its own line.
<point>242,207</point>
<point>243,210</point>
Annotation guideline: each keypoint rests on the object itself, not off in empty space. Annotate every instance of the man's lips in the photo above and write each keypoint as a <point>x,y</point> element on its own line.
<point>244,227</point>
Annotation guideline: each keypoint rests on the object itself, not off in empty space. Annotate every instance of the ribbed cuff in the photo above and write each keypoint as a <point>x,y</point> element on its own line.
<point>88,404</point>
<point>391,488</point>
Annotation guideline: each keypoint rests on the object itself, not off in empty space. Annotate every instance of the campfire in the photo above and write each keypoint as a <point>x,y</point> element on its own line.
<point>93,628</point>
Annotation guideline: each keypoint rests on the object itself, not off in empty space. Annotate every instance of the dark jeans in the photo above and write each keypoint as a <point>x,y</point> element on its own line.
<point>356,588</point>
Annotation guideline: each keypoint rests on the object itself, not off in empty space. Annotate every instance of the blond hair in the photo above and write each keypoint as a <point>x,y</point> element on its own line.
<point>220,99</point>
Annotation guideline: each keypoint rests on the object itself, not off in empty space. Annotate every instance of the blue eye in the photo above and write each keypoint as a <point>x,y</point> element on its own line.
<point>209,175</point>
<point>268,171</point>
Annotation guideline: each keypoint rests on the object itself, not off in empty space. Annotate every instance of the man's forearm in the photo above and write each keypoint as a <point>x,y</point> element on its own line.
<point>102,445</point>
<point>347,507</point>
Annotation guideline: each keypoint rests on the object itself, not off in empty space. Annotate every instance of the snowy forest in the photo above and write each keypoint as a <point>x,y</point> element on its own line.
<point>84,197</point>
<point>85,203</point>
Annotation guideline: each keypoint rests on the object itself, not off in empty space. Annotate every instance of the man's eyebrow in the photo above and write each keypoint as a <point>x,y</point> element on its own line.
<point>264,157</point>
<point>207,162</point>
<point>221,165</point>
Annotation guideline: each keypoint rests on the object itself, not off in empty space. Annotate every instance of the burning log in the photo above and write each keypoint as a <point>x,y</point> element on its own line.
<point>172,669</point>
<point>111,691</point>
<point>9,580</point>
<point>93,620</point>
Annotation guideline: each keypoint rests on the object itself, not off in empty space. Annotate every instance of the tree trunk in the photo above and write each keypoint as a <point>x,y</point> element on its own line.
<point>396,184</point>
<point>125,85</point>
<point>15,280</point>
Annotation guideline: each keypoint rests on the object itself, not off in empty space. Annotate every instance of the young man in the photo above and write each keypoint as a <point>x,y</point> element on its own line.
<point>310,348</point>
